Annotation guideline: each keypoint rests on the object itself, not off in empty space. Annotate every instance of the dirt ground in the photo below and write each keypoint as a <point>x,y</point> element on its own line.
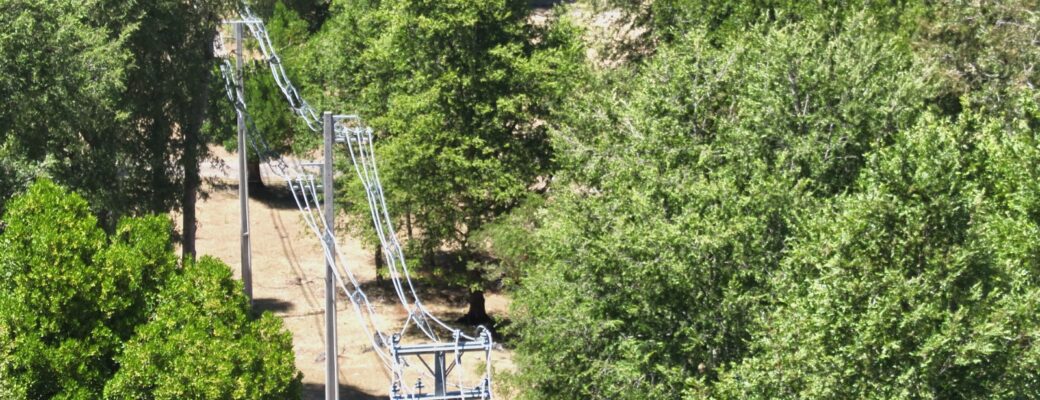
<point>288,280</point>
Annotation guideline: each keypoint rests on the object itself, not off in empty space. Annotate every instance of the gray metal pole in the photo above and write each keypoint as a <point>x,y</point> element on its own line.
<point>331,370</point>
<point>243,176</point>
<point>439,387</point>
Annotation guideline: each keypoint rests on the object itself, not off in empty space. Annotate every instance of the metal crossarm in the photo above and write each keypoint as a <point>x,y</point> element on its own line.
<point>476,393</point>
<point>440,369</point>
<point>433,348</point>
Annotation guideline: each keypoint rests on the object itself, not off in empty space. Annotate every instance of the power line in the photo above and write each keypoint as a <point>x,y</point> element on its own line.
<point>351,131</point>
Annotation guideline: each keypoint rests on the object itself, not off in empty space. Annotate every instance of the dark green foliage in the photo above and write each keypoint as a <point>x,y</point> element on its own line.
<point>107,96</point>
<point>677,196</point>
<point>313,12</point>
<point>84,314</point>
<point>279,127</point>
<point>60,77</point>
<point>170,43</point>
<point>923,284</point>
<point>202,343</point>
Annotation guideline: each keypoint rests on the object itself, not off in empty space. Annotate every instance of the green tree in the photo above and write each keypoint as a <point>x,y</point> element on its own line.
<point>165,100</point>
<point>61,76</point>
<point>276,124</point>
<point>922,284</point>
<point>456,91</point>
<point>85,314</point>
<point>69,297</point>
<point>114,93</point>
<point>678,187</point>
<point>312,12</point>
<point>202,343</point>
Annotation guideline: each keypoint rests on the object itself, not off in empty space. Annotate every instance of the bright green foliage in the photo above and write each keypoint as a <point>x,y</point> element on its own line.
<point>677,195</point>
<point>202,343</point>
<point>923,284</point>
<point>69,297</point>
<point>84,314</point>
<point>454,99</point>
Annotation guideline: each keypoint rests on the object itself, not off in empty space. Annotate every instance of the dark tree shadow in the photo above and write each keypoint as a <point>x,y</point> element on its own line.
<point>274,195</point>
<point>546,3</point>
<point>316,391</point>
<point>270,304</point>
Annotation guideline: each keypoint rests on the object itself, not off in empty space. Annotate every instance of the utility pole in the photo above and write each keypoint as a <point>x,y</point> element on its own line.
<point>331,354</point>
<point>243,174</point>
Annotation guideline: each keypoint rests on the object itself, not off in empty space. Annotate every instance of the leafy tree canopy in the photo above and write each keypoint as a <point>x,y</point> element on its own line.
<point>457,92</point>
<point>78,309</point>
<point>922,284</point>
<point>679,187</point>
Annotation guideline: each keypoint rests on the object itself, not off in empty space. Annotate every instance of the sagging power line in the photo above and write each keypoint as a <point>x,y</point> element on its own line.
<point>351,131</point>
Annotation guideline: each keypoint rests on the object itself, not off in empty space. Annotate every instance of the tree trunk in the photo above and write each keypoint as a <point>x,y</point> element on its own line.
<point>379,262</point>
<point>256,181</point>
<point>477,314</point>
<point>191,131</point>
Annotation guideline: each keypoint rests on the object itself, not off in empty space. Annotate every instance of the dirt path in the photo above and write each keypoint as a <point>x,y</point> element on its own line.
<point>288,280</point>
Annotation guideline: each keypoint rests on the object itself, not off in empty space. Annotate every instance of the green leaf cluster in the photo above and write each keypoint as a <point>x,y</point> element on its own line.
<point>203,343</point>
<point>781,202</point>
<point>107,97</point>
<point>921,284</point>
<point>458,93</point>
<point>84,314</point>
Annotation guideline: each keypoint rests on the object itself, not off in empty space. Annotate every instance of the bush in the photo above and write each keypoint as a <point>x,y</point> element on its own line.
<point>81,310</point>
<point>202,343</point>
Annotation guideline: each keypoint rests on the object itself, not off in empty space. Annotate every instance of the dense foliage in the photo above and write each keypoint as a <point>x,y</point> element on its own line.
<point>108,97</point>
<point>60,78</point>
<point>455,90</point>
<point>923,283</point>
<point>713,199</point>
<point>203,343</point>
<point>81,310</point>
<point>793,201</point>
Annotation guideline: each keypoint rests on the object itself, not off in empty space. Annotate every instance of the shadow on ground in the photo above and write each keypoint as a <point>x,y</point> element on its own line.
<point>316,391</point>
<point>274,195</point>
<point>270,304</point>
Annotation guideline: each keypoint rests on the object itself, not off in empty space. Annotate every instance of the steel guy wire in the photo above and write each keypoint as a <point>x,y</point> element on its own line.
<point>298,104</point>
<point>374,195</point>
<point>367,323</point>
<point>267,156</point>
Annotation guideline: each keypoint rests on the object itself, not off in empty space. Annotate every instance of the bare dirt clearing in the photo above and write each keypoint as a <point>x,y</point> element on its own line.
<point>288,280</point>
